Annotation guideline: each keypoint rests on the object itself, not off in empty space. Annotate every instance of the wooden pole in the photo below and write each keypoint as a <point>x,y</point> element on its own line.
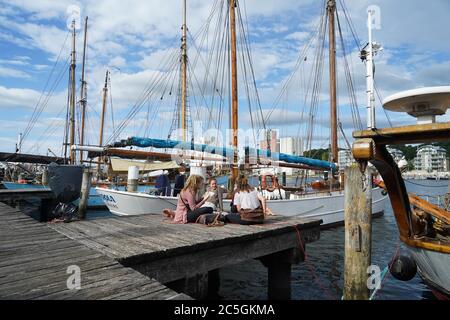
<point>84,196</point>
<point>102,120</point>
<point>331,7</point>
<point>234,87</point>
<point>184,72</point>
<point>358,236</point>
<point>72,95</point>
<point>44,179</point>
<point>83,89</point>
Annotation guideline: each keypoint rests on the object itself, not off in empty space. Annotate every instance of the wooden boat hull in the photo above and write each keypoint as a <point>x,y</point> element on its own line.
<point>329,208</point>
<point>434,269</point>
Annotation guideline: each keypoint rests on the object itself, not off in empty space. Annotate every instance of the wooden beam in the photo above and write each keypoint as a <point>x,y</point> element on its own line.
<point>420,133</point>
<point>25,194</point>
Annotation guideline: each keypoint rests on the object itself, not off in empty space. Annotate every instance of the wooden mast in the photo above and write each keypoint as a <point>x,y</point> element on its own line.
<point>72,96</point>
<point>102,121</point>
<point>83,89</point>
<point>331,8</point>
<point>234,88</point>
<point>184,72</point>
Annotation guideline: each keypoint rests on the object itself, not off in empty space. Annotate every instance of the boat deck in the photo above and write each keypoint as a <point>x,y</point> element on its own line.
<point>34,264</point>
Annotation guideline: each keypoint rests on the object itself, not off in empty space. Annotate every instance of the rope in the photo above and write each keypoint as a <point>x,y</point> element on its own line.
<point>310,266</point>
<point>384,273</point>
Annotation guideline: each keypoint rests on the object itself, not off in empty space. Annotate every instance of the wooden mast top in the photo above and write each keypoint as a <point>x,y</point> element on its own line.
<point>184,73</point>
<point>83,89</point>
<point>234,88</point>
<point>72,95</point>
<point>331,8</point>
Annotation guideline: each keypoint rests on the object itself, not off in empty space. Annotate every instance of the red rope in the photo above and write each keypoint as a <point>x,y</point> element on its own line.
<point>311,267</point>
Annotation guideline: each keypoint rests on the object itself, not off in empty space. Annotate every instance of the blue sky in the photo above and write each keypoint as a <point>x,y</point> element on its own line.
<point>132,38</point>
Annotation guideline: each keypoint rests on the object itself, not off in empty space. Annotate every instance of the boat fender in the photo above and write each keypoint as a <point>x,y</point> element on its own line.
<point>403,268</point>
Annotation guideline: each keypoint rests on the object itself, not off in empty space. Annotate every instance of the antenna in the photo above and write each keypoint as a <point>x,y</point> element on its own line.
<point>367,54</point>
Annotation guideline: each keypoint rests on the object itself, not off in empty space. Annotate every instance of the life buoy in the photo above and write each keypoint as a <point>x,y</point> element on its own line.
<point>274,183</point>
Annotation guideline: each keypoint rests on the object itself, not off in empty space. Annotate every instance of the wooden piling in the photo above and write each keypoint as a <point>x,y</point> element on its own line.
<point>358,236</point>
<point>84,196</point>
<point>44,179</point>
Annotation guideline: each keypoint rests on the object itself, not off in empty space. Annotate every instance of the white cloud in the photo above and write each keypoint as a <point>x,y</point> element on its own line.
<point>13,73</point>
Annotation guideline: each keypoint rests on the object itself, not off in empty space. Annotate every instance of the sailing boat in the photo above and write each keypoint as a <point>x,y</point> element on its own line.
<point>328,206</point>
<point>64,175</point>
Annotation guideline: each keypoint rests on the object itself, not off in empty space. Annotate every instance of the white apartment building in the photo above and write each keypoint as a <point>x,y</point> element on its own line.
<point>292,146</point>
<point>345,159</point>
<point>431,159</point>
<point>396,154</point>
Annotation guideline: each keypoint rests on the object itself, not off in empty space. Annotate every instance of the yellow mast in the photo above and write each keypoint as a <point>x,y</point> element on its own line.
<point>72,96</point>
<point>234,88</point>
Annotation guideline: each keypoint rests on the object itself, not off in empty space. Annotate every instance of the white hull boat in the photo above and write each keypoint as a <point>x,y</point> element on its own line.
<point>434,269</point>
<point>329,208</point>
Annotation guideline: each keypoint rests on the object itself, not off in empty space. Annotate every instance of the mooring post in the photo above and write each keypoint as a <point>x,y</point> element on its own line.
<point>84,195</point>
<point>358,234</point>
<point>133,176</point>
<point>44,179</point>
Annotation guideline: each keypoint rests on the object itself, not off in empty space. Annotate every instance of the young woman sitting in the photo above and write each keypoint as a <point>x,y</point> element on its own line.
<point>188,208</point>
<point>247,200</point>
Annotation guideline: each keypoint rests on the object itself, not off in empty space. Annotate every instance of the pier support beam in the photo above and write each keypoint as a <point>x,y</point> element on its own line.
<point>47,205</point>
<point>279,266</point>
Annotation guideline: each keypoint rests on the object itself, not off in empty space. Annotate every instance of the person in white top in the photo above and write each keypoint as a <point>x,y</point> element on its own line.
<point>246,198</point>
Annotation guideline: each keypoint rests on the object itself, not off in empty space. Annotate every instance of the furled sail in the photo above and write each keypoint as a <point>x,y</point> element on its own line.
<point>174,144</point>
<point>314,163</point>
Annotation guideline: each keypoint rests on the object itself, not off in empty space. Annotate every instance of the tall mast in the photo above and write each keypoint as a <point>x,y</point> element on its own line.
<point>183,72</point>
<point>83,89</point>
<point>72,96</point>
<point>331,8</point>
<point>102,121</point>
<point>234,88</point>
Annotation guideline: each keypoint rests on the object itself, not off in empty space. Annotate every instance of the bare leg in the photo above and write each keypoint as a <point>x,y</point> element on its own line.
<point>267,211</point>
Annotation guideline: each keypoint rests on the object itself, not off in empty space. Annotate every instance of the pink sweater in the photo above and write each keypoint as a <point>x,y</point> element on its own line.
<point>181,211</point>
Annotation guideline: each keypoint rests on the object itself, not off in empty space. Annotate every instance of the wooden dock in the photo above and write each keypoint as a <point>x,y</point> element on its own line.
<point>141,256</point>
<point>34,264</point>
<point>172,253</point>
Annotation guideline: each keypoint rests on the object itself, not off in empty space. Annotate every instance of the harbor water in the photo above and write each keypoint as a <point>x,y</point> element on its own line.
<point>321,275</point>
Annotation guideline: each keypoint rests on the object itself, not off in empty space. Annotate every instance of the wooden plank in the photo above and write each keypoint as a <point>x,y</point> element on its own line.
<point>89,264</point>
